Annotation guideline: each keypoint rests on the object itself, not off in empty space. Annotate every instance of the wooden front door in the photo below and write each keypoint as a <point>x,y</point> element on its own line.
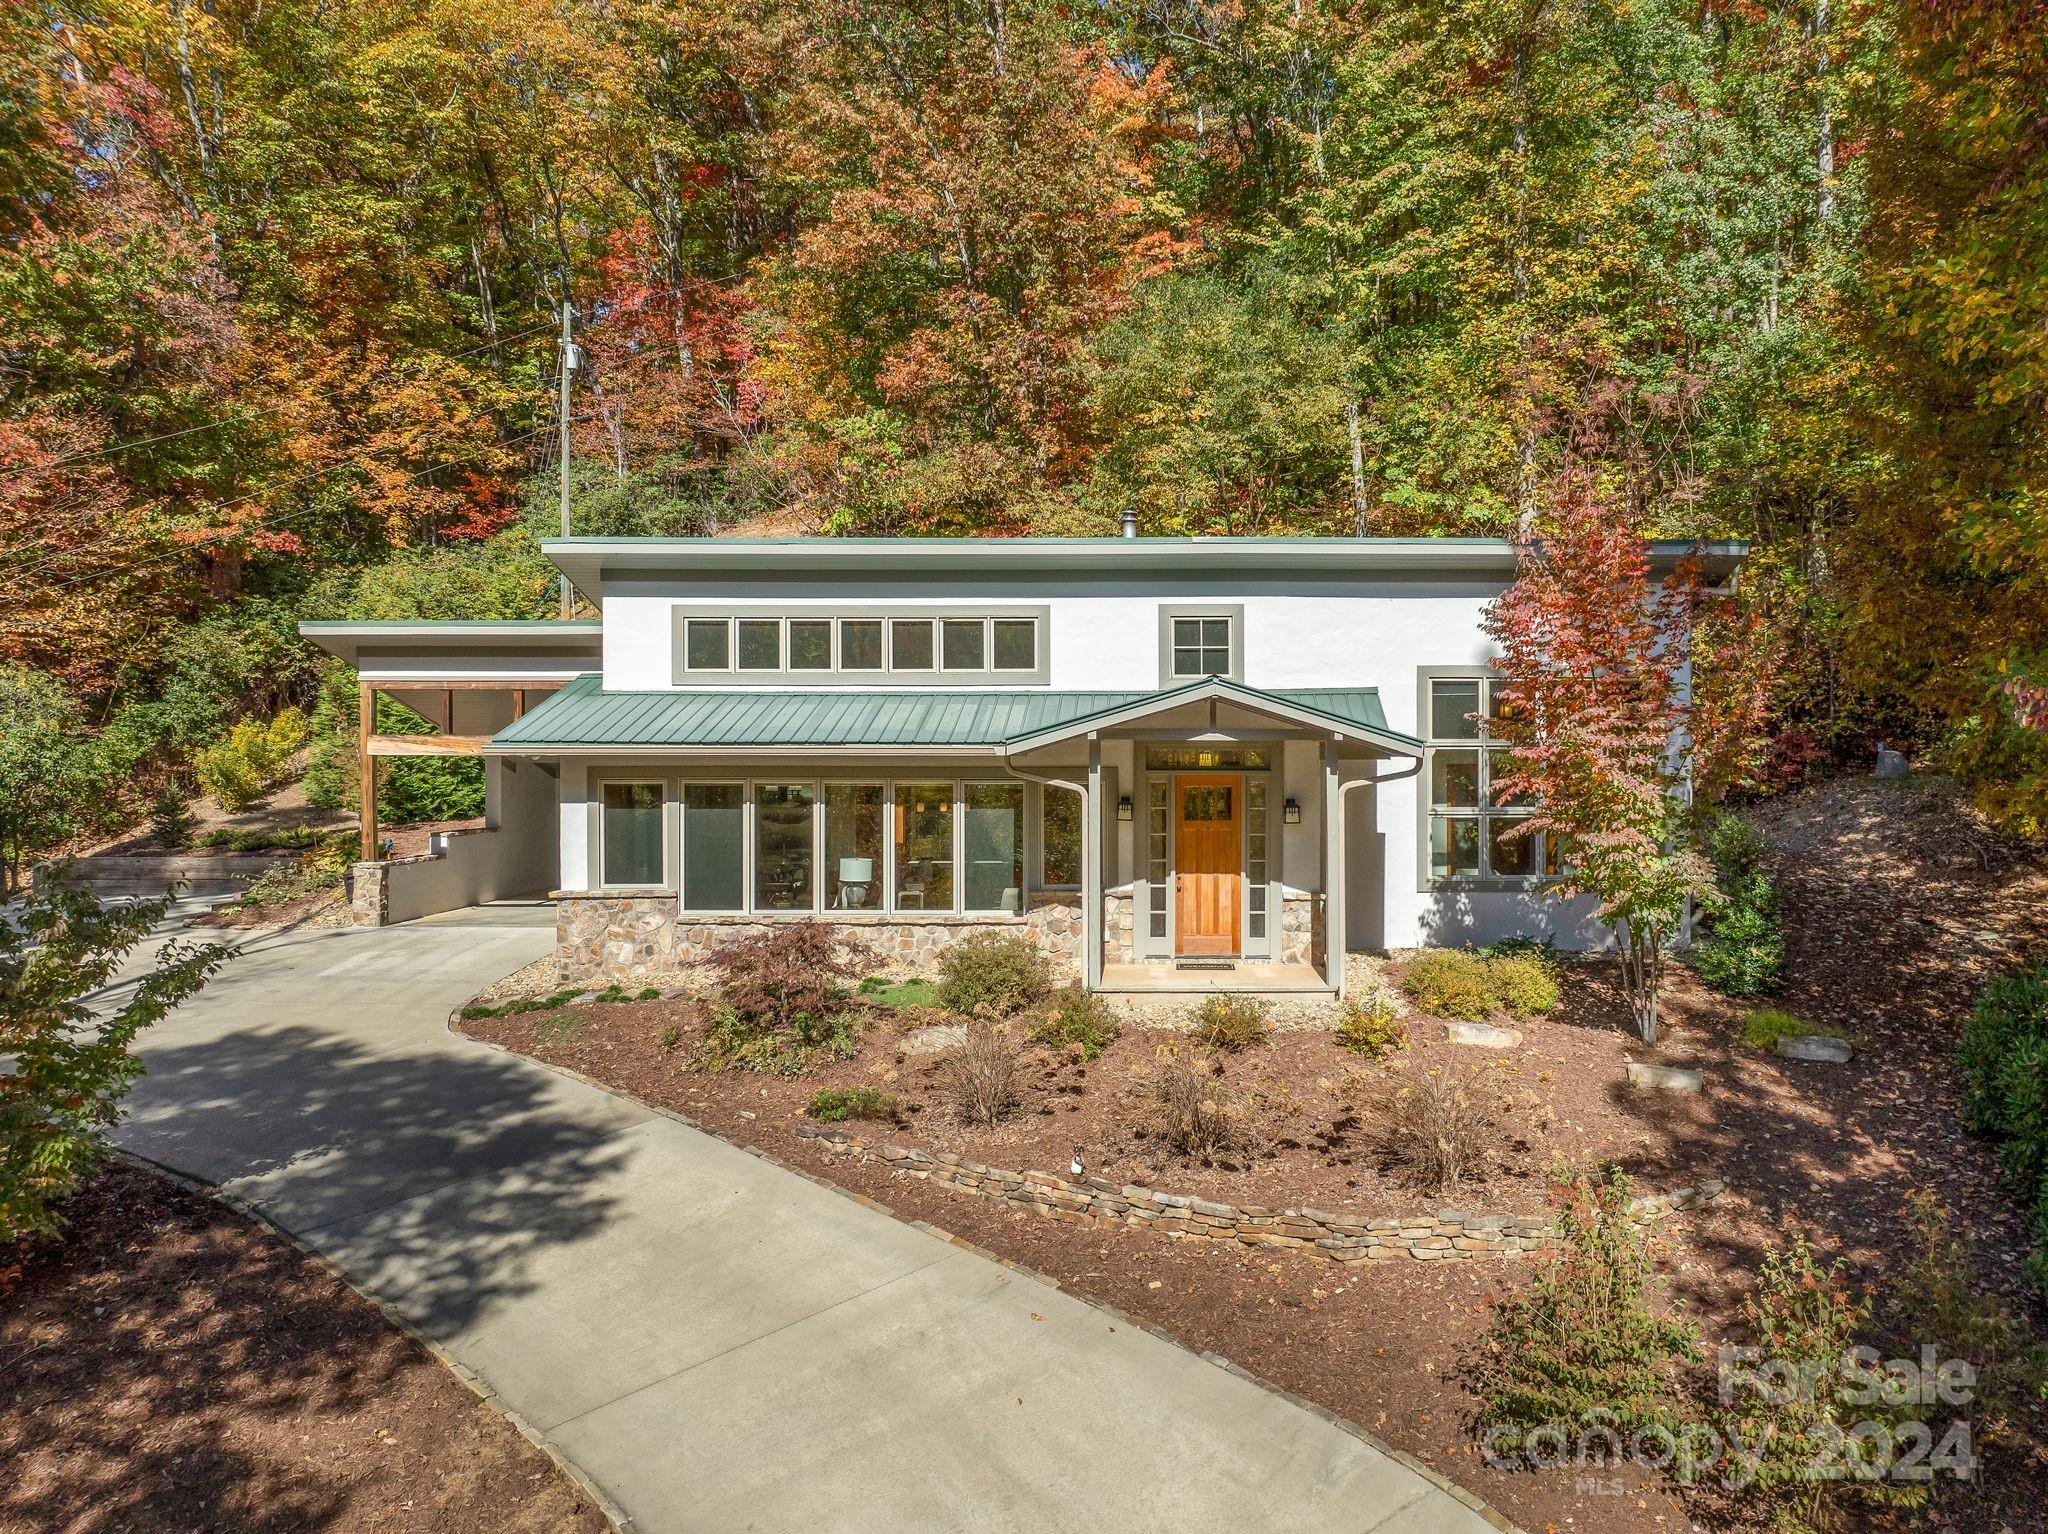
<point>1208,864</point>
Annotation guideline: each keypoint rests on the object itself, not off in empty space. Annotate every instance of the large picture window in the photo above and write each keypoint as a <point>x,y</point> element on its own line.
<point>714,847</point>
<point>630,854</point>
<point>853,846</point>
<point>1473,830</point>
<point>782,847</point>
<point>993,841</point>
<point>924,847</point>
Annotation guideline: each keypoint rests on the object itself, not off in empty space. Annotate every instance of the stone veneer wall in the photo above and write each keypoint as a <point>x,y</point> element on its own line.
<point>1302,936</point>
<point>624,936</point>
<point>1119,925</point>
<point>369,896</point>
<point>1447,1236</point>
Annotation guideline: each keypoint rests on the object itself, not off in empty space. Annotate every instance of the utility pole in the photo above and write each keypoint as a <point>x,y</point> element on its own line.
<point>570,359</point>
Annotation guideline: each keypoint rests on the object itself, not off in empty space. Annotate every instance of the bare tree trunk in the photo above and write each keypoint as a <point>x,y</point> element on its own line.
<point>1357,470</point>
<point>1823,120</point>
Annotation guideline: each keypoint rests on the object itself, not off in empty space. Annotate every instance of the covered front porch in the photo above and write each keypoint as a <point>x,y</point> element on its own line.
<point>1214,851</point>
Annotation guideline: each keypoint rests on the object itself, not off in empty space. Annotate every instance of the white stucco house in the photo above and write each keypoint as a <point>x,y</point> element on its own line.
<point>1171,761</point>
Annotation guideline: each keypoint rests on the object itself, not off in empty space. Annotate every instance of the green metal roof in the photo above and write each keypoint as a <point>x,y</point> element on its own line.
<point>582,715</point>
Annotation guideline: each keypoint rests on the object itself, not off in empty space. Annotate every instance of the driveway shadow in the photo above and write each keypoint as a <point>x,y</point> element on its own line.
<point>323,1136</point>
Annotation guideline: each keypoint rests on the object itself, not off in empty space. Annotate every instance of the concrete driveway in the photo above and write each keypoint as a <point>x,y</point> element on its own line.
<point>718,1343</point>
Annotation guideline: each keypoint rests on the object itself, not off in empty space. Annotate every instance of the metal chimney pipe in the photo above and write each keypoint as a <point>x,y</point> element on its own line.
<point>1130,524</point>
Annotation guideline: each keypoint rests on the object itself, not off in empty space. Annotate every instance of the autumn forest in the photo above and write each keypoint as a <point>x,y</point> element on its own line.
<point>280,279</point>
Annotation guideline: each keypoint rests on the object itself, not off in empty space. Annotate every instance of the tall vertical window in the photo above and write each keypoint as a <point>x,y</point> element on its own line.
<point>1061,821</point>
<point>924,847</point>
<point>1473,830</point>
<point>782,846</point>
<point>1255,857</point>
<point>1156,851</point>
<point>853,846</point>
<point>631,846</point>
<point>714,847</point>
<point>992,843</point>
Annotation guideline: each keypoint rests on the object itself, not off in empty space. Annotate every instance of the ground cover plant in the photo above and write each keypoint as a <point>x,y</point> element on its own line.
<point>1471,984</point>
<point>883,991</point>
<point>835,1105</point>
<point>1763,1028</point>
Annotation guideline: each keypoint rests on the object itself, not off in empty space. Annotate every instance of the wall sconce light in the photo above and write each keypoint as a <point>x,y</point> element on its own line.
<point>1290,812</point>
<point>1124,810</point>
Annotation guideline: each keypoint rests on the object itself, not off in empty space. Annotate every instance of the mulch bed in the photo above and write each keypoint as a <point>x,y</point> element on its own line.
<point>172,1366</point>
<point>1898,906</point>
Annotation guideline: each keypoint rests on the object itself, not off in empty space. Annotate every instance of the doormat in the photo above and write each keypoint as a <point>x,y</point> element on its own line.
<point>1205,964</point>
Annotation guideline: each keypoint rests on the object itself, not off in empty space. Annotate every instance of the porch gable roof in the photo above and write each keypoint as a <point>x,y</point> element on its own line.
<point>584,717</point>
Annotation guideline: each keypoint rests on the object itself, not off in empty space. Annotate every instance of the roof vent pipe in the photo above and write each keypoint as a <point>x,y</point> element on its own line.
<point>1130,524</point>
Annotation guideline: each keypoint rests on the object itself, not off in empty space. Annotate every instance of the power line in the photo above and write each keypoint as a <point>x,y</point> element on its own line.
<point>241,415</point>
<point>297,516</point>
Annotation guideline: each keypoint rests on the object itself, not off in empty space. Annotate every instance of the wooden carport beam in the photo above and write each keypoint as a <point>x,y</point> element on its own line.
<point>366,767</point>
<point>371,745</point>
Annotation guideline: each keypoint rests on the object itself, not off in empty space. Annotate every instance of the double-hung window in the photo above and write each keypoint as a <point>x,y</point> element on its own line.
<point>1474,831</point>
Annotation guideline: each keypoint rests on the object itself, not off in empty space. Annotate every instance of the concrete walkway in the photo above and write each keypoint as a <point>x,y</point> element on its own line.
<point>719,1344</point>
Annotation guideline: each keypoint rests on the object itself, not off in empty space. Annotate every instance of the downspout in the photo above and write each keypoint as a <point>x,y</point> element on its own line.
<point>1335,940</point>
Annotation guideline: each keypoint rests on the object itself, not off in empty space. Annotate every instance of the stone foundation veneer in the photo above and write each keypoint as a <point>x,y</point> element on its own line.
<point>628,936</point>
<point>1302,939</point>
<point>1447,1236</point>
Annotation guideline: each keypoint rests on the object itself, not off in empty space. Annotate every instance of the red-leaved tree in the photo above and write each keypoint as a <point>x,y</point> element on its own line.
<point>1592,703</point>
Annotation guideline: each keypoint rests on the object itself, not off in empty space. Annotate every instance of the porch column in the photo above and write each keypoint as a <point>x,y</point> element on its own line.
<point>1091,870</point>
<point>366,769</point>
<point>1333,870</point>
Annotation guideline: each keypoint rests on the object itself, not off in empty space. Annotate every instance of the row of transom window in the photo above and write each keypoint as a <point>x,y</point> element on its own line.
<point>977,644</point>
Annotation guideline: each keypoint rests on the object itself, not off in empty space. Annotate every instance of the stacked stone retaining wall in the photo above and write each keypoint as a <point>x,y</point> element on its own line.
<point>1447,1236</point>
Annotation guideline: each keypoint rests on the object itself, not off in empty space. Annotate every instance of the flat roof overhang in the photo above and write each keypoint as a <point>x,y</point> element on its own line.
<point>426,652</point>
<point>590,562</point>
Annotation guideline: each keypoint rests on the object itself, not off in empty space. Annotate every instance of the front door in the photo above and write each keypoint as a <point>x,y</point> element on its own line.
<point>1207,864</point>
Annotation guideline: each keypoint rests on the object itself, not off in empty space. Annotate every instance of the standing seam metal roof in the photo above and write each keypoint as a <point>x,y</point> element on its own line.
<point>582,713</point>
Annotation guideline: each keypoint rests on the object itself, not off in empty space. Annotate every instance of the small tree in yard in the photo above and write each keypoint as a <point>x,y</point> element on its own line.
<point>71,1065</point>
<point>1591,657</point>
<point>48,772</point>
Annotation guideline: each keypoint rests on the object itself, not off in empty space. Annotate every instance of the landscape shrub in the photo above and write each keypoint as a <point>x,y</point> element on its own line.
<point>1803,1323</point>
<point>835,1105</point>
<point>1371,1026</point>
<point>2004,1059</point>
<point>51,782</point>
<point>1436,1126</point>
<point>1187,1105</point>
<point>1523,982</point>
<point>1079,1022</point>
<point>1450,982</point>
<point>992,975</point>
<point>71,1061</point>
<point>1743,950</point>
<point>251,759</point>
<point>1231,1022</point>
<point>794,978</point>
<point>1580,1343</point>
<point>1935,1300</point>
<point>980,1076</point>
